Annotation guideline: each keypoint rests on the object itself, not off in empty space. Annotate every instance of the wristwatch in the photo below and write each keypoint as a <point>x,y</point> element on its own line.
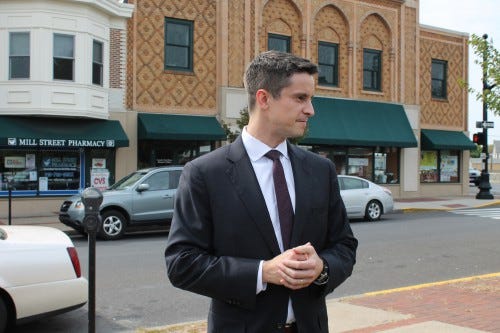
<point>324,275</point>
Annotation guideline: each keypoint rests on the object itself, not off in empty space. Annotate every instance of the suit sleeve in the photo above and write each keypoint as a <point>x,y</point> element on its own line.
<point>191,262</point>
<point>340,250</point>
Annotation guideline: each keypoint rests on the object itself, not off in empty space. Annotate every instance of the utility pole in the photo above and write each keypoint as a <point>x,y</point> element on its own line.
<point>484,183</point>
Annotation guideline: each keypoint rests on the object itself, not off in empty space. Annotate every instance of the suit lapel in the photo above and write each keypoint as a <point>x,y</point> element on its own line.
<point>302,175</point>
<point>242,176</point>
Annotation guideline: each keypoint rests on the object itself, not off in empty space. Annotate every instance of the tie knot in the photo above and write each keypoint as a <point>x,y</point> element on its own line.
<point>273,154</point>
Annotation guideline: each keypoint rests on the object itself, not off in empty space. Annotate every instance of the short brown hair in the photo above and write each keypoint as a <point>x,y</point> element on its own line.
<point>271,71</point>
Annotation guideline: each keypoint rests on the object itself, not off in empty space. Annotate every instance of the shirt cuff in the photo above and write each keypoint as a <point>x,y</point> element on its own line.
<point>261,286</point>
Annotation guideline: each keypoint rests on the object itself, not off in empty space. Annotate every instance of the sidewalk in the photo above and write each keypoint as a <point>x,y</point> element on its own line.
<point>468,305</point>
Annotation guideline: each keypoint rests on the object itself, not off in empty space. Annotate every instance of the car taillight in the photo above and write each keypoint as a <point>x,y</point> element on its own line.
<point>74,260</point>
<point>386,190</point>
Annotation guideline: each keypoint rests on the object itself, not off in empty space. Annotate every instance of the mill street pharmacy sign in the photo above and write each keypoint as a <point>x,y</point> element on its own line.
<point>68,143</point>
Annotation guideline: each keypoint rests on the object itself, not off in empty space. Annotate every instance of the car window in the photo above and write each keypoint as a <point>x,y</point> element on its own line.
<point>158,181</point>
<point>174,177</point>
<point>353,184</point>
<point>127,181</point>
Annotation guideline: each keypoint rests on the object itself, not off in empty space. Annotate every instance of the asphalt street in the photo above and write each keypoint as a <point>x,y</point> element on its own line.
<point>401,250</point>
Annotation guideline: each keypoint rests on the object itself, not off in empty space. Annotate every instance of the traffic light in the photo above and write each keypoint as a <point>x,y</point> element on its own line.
<point>478,138</point>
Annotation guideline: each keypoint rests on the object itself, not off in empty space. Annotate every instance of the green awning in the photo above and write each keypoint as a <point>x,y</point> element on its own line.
<point>358,123</point>
<point>18,131</point>
<point>159,126</point>
<point>437,139</point>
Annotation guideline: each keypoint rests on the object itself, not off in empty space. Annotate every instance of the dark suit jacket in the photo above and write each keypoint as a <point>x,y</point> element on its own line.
<point>221,229</point>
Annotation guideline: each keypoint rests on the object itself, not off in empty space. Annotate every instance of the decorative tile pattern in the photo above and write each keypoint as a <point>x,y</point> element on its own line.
<point>451,112</point>
<point>236,50</point>
<point>154,88</point>
<point>410,56</point>
<point>330,25</point>
<point>375,34</point>
<point>282,17</point>
<point>353,24</point>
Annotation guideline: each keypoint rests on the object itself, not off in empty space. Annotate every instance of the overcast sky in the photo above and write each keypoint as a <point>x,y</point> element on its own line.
<point>472,17</point>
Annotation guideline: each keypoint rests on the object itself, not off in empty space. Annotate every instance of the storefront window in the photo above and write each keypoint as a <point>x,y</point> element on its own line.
<point>428,166</point>
<point>101,172</point>
<point>380,165</point>
<point>439,166</point>
<point>159,153</point>
<point>448,171</point>
<point>35,170</point>
<point>386,166</point>
<point>360,162</point>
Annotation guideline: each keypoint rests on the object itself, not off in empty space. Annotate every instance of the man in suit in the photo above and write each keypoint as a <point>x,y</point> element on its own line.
<point>226,239</point>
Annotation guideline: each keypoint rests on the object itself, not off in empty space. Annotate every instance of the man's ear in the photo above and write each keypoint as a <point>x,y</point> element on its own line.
<point>262,99</point>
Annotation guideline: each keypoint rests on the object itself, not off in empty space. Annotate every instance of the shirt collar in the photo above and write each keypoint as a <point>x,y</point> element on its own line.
<point>256,148</point>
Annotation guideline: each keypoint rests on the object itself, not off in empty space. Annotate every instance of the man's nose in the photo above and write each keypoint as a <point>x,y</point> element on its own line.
<point>309,109</point>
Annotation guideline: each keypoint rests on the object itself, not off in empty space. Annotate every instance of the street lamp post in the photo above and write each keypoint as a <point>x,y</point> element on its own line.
<point>484,183</point>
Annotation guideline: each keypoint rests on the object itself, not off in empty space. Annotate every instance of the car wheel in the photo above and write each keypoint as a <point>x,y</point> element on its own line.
<point>373,210</point>
<point>113,225</point>
<point>3,315</point>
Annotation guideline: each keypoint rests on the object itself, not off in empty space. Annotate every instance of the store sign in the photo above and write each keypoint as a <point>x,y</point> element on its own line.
<point>100,179</point>
<point>15,162</point>
<point>25,142</point>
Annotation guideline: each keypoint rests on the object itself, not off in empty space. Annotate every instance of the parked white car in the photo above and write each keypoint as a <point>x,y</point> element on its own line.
<point>39,274</point>
<point>365,199</point>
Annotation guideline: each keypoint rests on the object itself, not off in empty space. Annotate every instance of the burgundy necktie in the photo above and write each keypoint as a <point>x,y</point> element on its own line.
<point>285,209</point>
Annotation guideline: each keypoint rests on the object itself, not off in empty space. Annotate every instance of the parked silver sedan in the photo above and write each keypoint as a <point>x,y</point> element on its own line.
<point>39,274</point>
<point>365,199</point>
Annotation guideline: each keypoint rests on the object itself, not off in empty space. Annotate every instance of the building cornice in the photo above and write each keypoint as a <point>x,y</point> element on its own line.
<point>111,7</point>
<point>445,31</point>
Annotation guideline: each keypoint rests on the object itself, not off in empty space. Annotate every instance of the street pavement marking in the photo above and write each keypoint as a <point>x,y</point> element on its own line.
<point>493,213</point>
<point>431,284</point>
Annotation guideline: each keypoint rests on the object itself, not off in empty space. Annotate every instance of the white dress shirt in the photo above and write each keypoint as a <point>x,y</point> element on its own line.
<point>263,168</point>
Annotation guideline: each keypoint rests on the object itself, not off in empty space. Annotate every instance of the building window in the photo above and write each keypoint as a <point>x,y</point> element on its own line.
<point>178,44</point>
<point>64,57</point>
<point>328,64</point>
<point>97,63</point>
<point>439,166</point>
<point>19,55</point>
<point>278,43</point>
<point>438,85</point>
<point>372,69</point>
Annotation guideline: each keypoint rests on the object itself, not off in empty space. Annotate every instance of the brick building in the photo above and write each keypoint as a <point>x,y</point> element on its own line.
<point>388,104</point>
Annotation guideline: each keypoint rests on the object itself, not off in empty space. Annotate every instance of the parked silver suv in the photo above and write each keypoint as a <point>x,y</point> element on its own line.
<point>143,198</point>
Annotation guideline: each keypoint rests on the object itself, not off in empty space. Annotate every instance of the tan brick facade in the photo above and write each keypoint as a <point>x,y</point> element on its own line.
<point>450,113</point>
<point>153,89</point>
<point>229,33</point>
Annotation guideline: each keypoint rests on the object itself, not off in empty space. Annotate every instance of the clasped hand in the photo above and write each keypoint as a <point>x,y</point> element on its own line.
<point>295,268</point>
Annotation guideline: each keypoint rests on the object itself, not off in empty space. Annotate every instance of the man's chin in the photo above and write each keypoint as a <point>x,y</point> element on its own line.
<point>298,134</point>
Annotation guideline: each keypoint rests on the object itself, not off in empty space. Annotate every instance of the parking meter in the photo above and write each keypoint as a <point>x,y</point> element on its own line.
<point>92,199</point>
